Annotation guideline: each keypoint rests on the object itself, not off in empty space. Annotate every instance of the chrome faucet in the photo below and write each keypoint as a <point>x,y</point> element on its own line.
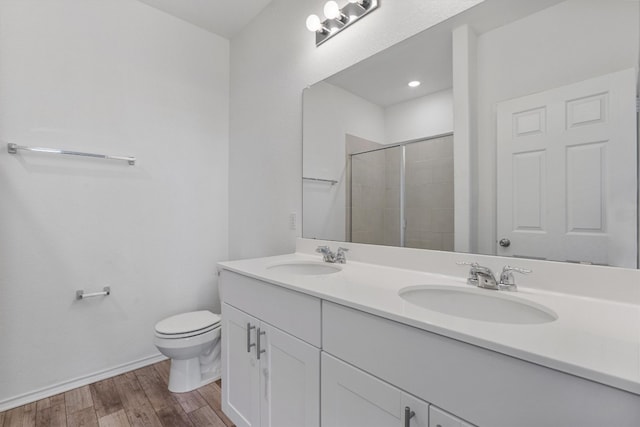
<point>329,256</point>
<point>486,278</point>
<point>483,277</point>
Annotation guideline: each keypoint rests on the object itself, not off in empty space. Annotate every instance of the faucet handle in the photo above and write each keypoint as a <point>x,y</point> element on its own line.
<point>340,255</point>
<point>473,272</point>
<point>507,281</point>
<point>327,255</point>
<point>508,268</point>
<point>472,264</point>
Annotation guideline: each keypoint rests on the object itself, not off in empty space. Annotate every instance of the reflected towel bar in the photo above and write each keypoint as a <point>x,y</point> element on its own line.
<point>13,149</point>
<point>81,295</point>
<point>330,181</point>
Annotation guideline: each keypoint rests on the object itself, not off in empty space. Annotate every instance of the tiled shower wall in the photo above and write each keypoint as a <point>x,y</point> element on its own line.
<point>368,183</point>
<point>429,210</point>
<point>429,194</point>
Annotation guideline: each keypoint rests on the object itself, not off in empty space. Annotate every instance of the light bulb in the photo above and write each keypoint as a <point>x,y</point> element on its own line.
<point>332,10</point>
<point>313,23</point>
<point>414,83</point>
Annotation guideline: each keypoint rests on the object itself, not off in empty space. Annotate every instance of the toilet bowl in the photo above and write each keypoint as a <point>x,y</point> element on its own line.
<point>192,342</point>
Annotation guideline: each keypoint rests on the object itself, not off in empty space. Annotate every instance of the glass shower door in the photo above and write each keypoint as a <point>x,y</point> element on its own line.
<point>403,195</point>
<point>429,209</point>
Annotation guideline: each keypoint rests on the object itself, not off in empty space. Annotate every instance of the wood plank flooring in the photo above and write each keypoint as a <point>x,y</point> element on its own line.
<point>138,398</point>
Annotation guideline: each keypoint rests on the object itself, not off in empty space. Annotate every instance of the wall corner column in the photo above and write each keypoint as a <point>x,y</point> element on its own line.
<point>464,133</point>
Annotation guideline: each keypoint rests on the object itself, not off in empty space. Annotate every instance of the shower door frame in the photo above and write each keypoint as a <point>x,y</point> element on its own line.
<point>403,162</point>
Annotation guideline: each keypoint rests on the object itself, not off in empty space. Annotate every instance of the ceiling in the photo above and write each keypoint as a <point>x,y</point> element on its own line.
<point>382,79</point>
<point>223,17</point>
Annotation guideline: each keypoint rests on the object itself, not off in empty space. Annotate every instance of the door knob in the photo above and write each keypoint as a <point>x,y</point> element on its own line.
<point>505,243</point>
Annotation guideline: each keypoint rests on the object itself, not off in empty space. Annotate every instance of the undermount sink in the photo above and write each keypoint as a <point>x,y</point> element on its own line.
<point>305,268</point>
<point>477,304</point>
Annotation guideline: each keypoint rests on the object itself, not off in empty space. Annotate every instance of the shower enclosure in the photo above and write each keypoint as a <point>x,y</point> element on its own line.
<point>402,195</point>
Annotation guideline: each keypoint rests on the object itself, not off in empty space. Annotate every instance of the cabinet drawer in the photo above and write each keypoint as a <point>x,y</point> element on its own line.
<point>293,312</point>
<point>440,418</point>
<point>351,397</point>
<point>479,385</point>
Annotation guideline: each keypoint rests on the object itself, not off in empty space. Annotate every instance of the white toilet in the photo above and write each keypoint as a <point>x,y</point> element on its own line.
<point>192,342</point>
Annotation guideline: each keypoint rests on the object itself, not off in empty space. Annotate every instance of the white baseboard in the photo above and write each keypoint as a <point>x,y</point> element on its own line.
<point>23,399</point>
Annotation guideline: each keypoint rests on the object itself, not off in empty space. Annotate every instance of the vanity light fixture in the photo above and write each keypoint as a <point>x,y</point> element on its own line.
<point>338,18</point>
<point>413,83</point>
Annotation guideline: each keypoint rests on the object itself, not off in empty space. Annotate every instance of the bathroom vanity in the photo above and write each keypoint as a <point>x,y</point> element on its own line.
<point>307,343</point>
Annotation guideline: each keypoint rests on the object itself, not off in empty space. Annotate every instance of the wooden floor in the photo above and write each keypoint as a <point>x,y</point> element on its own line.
<point>137,398</point>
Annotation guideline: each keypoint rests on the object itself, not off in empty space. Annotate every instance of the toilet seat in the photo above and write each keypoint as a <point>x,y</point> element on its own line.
<point>187,334</point>
<point>187,325</point>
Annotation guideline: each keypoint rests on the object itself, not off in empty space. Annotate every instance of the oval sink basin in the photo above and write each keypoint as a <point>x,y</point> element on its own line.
<point>305,268</point>
<point>477,304</point>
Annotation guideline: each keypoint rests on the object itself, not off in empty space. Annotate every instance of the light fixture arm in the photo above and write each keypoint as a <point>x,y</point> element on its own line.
<point>362,3</point>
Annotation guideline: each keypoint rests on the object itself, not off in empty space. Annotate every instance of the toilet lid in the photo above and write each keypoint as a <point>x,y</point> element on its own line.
<point>187,322</point>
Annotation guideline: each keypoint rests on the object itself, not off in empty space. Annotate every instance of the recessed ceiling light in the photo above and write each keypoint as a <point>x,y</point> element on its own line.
<point>414,83</point>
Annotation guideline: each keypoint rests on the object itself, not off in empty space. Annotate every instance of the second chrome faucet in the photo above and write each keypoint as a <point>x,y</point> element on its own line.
<point>334,257</point>
<point>483,277</point>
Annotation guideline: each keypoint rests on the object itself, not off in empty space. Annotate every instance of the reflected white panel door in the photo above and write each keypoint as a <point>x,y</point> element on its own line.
<point>240,368</point>
<point>290,383</point>
<point>353,398</point>
<point>566,173</point>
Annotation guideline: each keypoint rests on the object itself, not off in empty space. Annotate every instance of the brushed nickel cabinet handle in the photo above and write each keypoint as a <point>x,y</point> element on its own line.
<point>408,414</point>
<point>259,350</point>
<point>249,345</point>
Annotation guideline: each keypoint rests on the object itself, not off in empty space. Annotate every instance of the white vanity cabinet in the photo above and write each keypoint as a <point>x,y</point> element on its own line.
<point>241,369</point>
<point>353,398</point>
<point>481,386</point>
<point>319,362</point>
<point>271,378</point>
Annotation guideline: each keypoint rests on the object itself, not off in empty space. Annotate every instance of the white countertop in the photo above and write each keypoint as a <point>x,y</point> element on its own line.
<point>592,338</point>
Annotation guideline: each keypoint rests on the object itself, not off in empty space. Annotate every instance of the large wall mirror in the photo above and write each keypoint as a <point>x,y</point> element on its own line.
<point>520,140</point>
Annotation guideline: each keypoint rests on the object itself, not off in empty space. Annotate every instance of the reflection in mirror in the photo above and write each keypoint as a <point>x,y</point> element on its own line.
<point>521,139</point>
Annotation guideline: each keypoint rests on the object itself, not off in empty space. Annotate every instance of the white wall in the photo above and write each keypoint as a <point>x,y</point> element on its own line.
<point>422,117</point>
<point>272,60</point>
<point>570,42</point>
<point>330,114</point>
<point>118,77</point>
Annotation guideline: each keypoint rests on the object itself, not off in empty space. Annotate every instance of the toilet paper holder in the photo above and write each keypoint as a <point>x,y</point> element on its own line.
<point>81,295</point>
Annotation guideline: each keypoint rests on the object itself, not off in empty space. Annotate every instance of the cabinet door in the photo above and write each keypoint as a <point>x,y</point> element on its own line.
<point>353,398</point>
<point>440,418</point>
<point>290,380</point>
<point>240,368</point>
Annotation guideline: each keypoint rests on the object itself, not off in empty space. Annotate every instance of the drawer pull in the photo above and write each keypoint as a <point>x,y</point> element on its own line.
<point>408,414</point>
<point>249,345</point>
